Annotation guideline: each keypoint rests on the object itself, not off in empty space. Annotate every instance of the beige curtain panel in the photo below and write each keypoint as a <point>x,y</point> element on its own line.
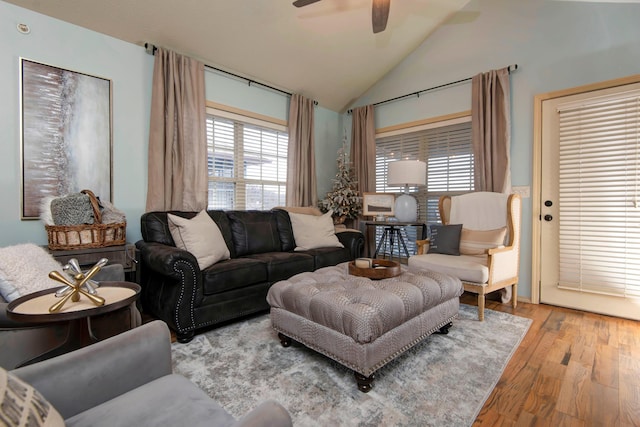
<point>178,178</point>
<point>301,163</point>
<point>363,159</point>
<point>363,148</point>
<point>491,130</point>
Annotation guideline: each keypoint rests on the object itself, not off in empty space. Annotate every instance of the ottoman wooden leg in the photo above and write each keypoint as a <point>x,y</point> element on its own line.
<point>365,384</point>
<point>284,340</point>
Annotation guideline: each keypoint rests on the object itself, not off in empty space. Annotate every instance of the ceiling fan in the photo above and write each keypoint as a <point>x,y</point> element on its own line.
<point>379,12</point>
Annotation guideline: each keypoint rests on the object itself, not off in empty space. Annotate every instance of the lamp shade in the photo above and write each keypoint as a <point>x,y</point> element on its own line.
<point>407,172</point>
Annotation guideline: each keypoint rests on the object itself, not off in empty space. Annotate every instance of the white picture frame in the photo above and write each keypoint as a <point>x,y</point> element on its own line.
<point>378,204</point>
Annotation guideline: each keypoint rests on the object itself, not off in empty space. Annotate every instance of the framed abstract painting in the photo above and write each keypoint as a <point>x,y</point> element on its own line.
<point>66,138</point>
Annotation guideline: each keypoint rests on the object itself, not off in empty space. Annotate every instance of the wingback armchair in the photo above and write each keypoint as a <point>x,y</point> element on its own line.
<point>478,242</point>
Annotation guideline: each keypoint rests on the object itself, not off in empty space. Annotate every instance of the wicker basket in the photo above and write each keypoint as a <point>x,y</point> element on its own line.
<point>83,236</point>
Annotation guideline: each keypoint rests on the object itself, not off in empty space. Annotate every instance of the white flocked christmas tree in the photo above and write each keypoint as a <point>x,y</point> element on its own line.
<point>343,199</point>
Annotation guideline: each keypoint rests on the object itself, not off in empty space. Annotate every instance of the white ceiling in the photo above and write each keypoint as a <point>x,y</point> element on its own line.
<point>325,51</point>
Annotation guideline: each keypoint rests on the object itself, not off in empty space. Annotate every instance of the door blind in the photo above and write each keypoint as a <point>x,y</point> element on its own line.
<point>599,200</point>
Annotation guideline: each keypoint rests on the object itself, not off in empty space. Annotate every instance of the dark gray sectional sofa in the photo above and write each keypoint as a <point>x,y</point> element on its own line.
<point>261,244</point>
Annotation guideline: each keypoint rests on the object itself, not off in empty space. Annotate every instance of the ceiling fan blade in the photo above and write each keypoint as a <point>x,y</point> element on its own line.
<point>380,15</point>
<point>300,3</point>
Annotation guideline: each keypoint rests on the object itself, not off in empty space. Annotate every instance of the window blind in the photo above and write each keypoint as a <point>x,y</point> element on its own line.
<point>247,164</point>
<point>448,154</point>
<point>446,150</point>
<point>599,185</point>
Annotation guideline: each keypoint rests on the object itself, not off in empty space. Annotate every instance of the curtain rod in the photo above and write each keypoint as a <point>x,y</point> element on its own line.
<point>151,50</point>
<point>510,68</point>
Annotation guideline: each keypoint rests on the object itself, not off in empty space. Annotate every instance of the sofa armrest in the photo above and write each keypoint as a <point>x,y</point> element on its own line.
<point>267,414</point>
<point>163,258</point>
<point>84,378</point>
<point>353,240</point>
<point>171,283</point>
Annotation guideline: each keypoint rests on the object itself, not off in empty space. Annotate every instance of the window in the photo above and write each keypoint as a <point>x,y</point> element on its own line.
<point>445,147</point>
<point>447,151</point>
<point>247,162</point>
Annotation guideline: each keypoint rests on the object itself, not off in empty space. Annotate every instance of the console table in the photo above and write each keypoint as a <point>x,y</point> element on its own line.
<point>126,255</point>
<point>393,234</point>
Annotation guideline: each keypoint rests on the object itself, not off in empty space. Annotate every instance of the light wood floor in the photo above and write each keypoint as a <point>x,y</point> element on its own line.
<point>571,369</point>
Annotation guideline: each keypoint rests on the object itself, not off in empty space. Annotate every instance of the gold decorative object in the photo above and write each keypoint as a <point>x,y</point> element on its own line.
<point>81,280</point>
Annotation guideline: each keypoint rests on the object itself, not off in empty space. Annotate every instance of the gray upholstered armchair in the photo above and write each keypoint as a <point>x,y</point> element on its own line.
<point>126,380</point>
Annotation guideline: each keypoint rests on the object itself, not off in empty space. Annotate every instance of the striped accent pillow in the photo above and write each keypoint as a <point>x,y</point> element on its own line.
<point>22,405</point>
<point>476,242</point>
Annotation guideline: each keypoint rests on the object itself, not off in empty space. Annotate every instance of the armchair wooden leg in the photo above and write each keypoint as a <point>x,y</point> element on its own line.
<point>481,307</point>
<point>514,295</point>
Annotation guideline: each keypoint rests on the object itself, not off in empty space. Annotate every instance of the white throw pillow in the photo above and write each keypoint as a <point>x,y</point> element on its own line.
<point>24,269</point>
<point>201,236</point>
<point>23,405</point>
<point>312,231</point>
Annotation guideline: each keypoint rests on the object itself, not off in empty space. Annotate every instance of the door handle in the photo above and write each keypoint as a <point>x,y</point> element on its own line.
<point>548,217</point>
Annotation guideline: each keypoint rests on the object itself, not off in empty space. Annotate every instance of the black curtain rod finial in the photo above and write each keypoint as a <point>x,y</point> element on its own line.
<point>150,49</point>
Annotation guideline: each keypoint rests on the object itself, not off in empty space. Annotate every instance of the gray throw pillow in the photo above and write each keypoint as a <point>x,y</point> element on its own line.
<point>445,239</point>
<point>73,209</point>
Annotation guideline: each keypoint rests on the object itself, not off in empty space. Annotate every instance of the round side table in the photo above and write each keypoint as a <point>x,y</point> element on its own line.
<point>34,308</point>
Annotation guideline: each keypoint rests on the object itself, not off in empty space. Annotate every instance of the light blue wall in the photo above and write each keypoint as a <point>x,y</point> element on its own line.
<point>130,68</point>
<point>557,45</point>
<point>234,92</point>
<point>327,132</point>
<point>67,46</point>
<point>329,135</point>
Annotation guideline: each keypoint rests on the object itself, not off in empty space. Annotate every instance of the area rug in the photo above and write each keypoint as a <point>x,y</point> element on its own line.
<point>443,381</point>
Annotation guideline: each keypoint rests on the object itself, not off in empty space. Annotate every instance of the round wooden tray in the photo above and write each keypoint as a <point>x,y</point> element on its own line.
<point>388,269</point>
<point>34,307</point>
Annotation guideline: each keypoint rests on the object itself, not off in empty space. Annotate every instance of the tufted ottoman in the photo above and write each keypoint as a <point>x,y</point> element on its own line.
<point>361,323</point>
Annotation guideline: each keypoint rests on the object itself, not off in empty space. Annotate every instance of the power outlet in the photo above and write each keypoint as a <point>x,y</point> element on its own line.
<point>523,190</point>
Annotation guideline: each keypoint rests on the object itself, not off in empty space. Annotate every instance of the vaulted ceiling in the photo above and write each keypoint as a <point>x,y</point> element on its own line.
<point>326,51</point>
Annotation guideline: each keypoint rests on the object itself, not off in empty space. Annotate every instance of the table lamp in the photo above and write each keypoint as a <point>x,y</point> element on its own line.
<point>406,173</point>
